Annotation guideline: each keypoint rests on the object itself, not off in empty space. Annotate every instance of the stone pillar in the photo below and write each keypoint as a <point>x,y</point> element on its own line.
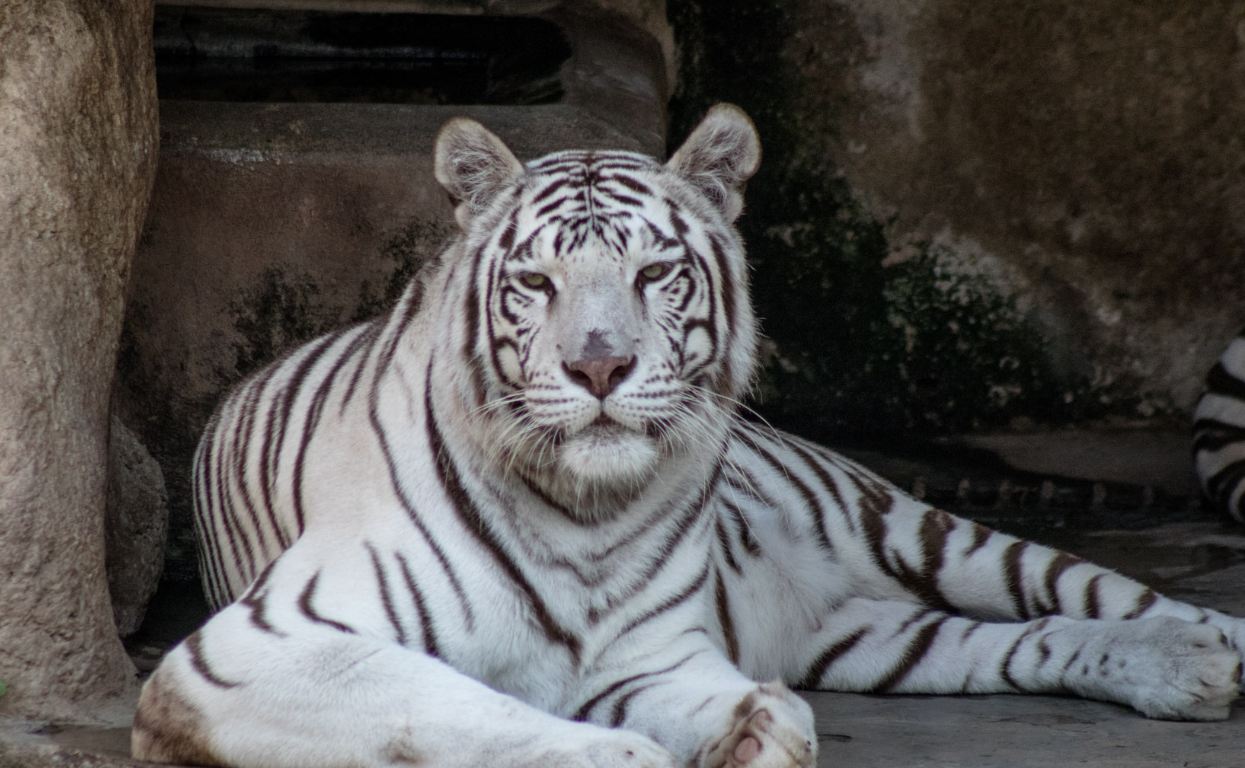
<point>78,140</point>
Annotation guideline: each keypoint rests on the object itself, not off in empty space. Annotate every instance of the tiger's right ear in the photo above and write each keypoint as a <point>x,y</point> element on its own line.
<point>472,164</point>
<point>719,157</point>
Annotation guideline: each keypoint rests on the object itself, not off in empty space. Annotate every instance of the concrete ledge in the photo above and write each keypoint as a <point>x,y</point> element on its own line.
<point>255,132</point>
<point>1161,459</point>
<point>35,744</point>
<point>1013,732</point>
<point>853,730</point>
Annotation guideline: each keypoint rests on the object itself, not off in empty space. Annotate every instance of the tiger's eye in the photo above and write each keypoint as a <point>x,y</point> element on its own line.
<point>534,280</point>
<point>655,271</point>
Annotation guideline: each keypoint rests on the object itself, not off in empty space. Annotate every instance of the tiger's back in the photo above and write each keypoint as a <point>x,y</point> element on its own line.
<point>250,470</point>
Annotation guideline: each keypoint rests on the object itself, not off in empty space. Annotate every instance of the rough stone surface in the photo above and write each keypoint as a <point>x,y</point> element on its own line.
<point>977,218</point>
<point>77,154</point>
<point>135,524</point>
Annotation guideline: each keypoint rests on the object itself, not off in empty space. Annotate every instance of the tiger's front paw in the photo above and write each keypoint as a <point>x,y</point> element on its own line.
<point>1203,677</point>
<point>772,728</point>
<point>1234,629</point>
<point>1170,669</point>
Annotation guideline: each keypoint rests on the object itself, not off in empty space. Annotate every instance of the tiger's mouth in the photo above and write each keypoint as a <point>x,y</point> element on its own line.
<point>605,426</point>
<point>604,429</point>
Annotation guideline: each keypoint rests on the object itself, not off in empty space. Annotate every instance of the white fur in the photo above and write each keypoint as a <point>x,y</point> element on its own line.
<point>609,457</point>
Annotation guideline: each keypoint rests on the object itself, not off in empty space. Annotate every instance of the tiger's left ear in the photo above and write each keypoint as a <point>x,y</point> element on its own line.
<point>473,165</point>
<point>719,157</point>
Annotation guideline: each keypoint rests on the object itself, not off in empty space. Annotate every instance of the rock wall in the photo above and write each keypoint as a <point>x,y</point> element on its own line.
<point>136,523</point>
<point>77,156</point>
<point>985,216</point>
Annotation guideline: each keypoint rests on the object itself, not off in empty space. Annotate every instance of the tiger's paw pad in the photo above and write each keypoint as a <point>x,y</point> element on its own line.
<point>773,728</point>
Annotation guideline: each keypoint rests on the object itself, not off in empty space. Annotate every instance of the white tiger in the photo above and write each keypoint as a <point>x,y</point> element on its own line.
<point>518,521</point>
<point>1219,432</point>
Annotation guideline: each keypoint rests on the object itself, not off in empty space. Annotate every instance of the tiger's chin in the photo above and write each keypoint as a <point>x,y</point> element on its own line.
<point>608,457</point>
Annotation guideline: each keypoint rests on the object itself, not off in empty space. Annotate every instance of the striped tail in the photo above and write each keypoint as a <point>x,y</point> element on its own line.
<point>1219,432</point>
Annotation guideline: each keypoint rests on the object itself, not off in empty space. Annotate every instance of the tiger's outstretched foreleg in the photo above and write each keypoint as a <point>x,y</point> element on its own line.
<point>1163,667</point>
<point>962,567</point>
<point>874,542</point>
<point>893,546</point>
<point>239,693</point>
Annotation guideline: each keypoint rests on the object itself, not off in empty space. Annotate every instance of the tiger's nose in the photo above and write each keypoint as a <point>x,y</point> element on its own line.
<point>601,375</point>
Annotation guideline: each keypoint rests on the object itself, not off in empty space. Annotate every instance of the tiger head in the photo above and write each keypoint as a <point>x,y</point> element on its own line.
<point>609,329</point>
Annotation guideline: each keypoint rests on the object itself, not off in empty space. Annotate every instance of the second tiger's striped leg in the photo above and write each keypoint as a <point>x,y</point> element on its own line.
<point>1163,667</point>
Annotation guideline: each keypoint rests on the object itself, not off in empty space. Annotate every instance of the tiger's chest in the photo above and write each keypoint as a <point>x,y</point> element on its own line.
<point>532,628</point>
